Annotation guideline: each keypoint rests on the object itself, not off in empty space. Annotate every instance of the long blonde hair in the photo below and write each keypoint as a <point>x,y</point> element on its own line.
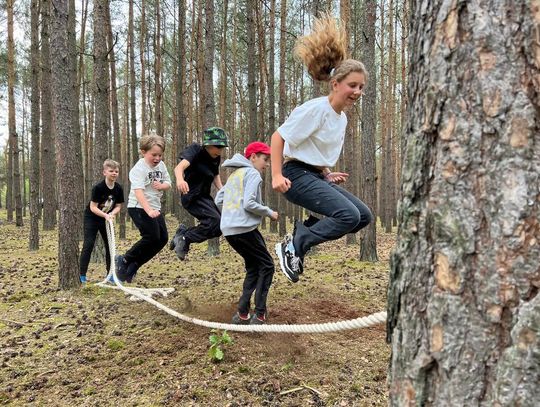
<point>323,51</point>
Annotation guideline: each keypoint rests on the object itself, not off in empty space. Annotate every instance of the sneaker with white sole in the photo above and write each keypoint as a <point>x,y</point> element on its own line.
<point>238,319</point>
<point>290,263</point>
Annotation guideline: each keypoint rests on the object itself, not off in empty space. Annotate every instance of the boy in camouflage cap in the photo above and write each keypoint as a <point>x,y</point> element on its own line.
<point>197,170</point>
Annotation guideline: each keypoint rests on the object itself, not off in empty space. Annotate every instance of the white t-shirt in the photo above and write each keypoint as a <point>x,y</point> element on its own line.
<point>141,177</point>
<point>314,133</point>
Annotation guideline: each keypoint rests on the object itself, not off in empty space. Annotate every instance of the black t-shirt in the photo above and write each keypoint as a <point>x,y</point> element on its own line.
<point>105,197</point>
<point>201,171</point>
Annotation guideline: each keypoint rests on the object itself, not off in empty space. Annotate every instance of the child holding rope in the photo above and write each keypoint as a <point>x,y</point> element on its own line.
<point>197,170</point>
<point>105,202</point>
<point>149,178</point>
<point>242,210</point>
<point>310,142</point>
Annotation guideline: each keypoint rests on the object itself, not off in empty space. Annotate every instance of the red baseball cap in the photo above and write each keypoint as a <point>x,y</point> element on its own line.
<point>257,147</point>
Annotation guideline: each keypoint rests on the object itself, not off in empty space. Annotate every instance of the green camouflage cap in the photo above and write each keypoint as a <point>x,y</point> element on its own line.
<point>215,136</point>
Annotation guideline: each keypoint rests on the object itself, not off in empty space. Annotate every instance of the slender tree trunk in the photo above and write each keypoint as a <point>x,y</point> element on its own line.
<point>48,147</point>
<point>144,109</point>
<point>114,94</point>
<point>282,104</point>
<point>368,243</point>
<point>66,140</point>
<point>251,68</point>
<point>273,197</point>
<point>157,70</point>
<point>464,309</point>
<point>209,115</point>
<point>33,241</point>
<point>13,136</point>
<point>101,89</point>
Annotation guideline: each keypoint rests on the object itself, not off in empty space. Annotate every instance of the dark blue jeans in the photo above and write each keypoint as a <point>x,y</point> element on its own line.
<point>344,213</point>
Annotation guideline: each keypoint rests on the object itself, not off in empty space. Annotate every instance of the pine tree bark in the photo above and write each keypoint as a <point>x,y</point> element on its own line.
<point>251,68</point>
<point>273,197</point>
<point>48,147</point>
<point>33,241</point>
<point>209,114</point>
<point>282,104</point>
<point>463,303</point>
<point>142,50</point>
<point>157,70</point>
<point>13,136</point>
<point>66,139</point>
<point>101,89</point>
<point>368,181</point>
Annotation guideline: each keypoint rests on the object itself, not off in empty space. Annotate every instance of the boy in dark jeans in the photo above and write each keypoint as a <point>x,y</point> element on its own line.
<point>197,170</point>
<point>105,202</point>
<point>242,210</point>
<point>149,179</point>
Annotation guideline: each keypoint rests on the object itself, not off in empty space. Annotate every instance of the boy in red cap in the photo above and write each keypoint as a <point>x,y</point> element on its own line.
<point>240,201</point>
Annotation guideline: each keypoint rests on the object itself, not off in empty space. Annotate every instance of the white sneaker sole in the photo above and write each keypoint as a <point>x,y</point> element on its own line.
<point>281,262</point>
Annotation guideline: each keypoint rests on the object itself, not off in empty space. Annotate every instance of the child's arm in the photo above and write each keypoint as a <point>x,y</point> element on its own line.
<point>219,199</point>
<point>252,182</point>
<point>279,182</point>
<point>96,211</point>
<point>217,182</point>
<point>139,194</point>
<point>181,184</point>
<point>116,209</point>
<point>165,183</point>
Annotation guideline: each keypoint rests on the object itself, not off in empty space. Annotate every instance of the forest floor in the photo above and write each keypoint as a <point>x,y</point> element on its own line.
<point>95,347</point>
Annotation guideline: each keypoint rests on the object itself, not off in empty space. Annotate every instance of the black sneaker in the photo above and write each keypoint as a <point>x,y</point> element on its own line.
<point>121,267</point>
<point>179,232</point>
<point>308,222</point>
<point>237,319</point>
<point>182,248</point>
<point>131,272</point>
<point>289,263</point>
<point>258,319</point>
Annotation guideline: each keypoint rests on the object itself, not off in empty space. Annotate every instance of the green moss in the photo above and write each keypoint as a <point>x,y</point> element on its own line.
<point>115,345</point>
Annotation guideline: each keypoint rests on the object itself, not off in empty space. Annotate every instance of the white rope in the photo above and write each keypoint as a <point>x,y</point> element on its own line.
<point>145,294</point>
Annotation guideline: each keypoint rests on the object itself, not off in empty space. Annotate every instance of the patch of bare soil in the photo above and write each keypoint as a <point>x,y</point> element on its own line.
<point>95,347</point>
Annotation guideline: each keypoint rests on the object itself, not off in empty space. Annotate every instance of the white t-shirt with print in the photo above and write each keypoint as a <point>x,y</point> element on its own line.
<point>141,176</point>
<point>314,133</point>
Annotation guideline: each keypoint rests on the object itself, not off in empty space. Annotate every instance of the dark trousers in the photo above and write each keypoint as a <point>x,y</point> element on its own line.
<point>259,269</point>
<point>205,210</point>
<point>344,213</point>
<point>92,225</point>
<point>153,237</point>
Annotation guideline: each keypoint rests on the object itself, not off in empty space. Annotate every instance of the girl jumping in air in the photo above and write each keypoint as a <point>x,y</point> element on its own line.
<point>309,143</point>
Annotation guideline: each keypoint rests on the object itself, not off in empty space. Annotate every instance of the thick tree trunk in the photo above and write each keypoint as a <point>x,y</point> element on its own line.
<point>282,105</point>
<point>33,241</point>
<point>142,50</point>
<point>157,70</point>
<point>368,181</point>
<point>463,303</point>
<point>66,139</point>
<point>273,197</point>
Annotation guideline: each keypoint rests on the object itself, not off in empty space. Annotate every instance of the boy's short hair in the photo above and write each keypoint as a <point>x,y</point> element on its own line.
<point>108,163</point>
<point>150,140</point>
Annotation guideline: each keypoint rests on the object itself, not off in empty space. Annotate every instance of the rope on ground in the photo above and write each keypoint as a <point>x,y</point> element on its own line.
<point>145,294</point>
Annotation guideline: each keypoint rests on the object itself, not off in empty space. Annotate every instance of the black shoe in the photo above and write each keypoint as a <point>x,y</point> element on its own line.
<point>258,319</point>
<point>237,319</point>
<point>308,222</point>
<point>131,272</point>
<point>181,248</point>
<point>121,267</point>
<point>289,263</point>
<point>179,232</point>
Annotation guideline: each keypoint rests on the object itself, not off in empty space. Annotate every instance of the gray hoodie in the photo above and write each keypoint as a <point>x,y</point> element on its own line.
<point>240,199</point>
